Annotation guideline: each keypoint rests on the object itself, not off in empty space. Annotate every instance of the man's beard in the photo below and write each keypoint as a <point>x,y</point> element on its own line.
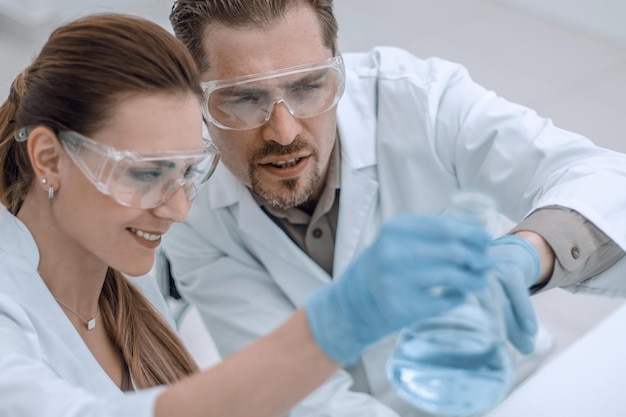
<point>293,192</point>
<point>290,195</point>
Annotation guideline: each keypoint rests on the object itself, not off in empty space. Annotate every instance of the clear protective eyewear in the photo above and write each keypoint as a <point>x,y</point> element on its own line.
<point>248,102</point>
<point>140,179</point>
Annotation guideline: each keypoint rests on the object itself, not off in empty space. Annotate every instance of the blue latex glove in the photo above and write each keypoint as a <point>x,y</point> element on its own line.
<point>517,269</point>
<point>419,266</point>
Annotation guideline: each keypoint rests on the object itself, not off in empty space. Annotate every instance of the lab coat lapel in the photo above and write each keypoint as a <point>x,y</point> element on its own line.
<point>287,264</point>
<point>64,342</point>
<point>294,271</point>
<point>359,213</point>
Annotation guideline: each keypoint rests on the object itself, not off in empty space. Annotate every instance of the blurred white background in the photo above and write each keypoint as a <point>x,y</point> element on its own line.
<point>564,58</point>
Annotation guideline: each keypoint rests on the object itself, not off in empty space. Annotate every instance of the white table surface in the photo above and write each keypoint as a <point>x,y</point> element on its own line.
<point>586,380</point>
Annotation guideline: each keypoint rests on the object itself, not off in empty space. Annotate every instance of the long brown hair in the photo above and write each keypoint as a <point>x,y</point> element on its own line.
<point>191,19</point>
<point>85,68</point>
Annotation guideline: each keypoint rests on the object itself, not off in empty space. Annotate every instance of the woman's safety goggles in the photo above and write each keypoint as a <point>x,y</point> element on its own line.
<point>248,102</point>
<point>140,179</point>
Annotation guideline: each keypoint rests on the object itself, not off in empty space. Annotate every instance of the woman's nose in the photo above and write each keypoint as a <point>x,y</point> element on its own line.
<point>176,208</point>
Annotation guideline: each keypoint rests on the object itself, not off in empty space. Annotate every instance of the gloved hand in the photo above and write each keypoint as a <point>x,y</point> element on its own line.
<point>419,266</point>
<point>517,269</point>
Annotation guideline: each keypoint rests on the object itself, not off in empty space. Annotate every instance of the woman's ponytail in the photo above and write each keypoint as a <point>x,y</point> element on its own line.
<point>150,348</point>
<point>16,174</point>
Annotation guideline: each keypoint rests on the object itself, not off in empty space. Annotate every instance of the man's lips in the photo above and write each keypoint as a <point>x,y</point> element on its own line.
<point>285,167</point>
<point>282,161</point>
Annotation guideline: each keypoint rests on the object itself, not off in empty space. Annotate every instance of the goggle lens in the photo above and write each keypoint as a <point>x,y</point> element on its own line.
<point>140,180</point>
<point>248,102</point>
<point>149,184</point>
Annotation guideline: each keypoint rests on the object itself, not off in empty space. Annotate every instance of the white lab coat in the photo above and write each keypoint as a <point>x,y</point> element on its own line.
<point>412,133</point>
<point>45,367</point>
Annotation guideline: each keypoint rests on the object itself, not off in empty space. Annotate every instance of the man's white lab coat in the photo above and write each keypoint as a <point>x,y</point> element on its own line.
<point>412,133</point>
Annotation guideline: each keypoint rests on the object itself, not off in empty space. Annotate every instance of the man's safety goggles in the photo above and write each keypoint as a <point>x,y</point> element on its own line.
<point>248,102</point>
<point>140,179</point>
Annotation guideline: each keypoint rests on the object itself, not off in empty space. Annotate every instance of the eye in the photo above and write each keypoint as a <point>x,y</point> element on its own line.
<point>307,88</point>
<point>243,100</point>
<point>192,171</point>
<point>145,174</point>
<point>149,172</point>
<point>311,85</point>
<point>241,97</point>
<point>308,92</point>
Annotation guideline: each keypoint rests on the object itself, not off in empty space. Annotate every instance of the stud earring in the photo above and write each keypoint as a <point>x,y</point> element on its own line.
<point>50,190</point>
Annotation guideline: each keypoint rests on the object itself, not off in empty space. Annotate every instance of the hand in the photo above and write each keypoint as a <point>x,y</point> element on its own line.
<point>419,266</point>
<point>517,269</point>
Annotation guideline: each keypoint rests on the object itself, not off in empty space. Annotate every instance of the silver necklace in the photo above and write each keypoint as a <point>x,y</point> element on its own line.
<point>89,323</point>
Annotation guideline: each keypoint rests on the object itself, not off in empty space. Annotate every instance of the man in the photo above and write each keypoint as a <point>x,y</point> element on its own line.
<point>315,157</point>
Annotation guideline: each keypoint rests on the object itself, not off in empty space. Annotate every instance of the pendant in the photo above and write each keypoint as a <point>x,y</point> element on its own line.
<point>91,324</point>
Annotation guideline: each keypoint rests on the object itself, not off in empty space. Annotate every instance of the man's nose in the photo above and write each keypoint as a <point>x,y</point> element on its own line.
<point>282,126</point>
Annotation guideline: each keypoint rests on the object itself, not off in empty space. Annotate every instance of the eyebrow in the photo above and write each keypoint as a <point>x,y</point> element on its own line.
<point>165,163</point>
<point>310,78</point>
<point>242,90</point>
<point>237,90</point>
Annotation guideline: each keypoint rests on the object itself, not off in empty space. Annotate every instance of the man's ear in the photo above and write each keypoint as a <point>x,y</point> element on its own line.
<point>44,151</point>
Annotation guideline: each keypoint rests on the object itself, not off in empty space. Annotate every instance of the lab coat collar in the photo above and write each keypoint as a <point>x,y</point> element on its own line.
<point>224,189</point>
<point>22,244</point>
<point>356,121</point>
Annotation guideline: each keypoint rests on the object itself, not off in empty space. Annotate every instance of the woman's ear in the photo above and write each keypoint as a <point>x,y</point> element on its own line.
<point>44,150</point>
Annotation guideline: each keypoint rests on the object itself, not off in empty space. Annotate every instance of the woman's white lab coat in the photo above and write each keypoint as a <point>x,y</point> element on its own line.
<point>412,133</point>
<point>45,367</point>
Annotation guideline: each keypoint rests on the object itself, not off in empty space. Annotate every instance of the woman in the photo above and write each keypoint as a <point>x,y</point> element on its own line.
<point>101,151</point>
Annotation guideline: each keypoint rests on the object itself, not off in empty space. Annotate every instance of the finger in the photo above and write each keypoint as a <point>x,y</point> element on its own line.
<point>521,304</point>
<point>519,338</point>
